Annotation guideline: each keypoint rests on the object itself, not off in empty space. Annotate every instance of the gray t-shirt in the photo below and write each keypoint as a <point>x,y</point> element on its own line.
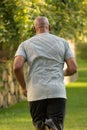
<point>45,54</point>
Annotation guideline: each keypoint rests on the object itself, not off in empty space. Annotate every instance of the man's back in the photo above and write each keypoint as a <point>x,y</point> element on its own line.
<point>46,45</point>
<point>45,54</point>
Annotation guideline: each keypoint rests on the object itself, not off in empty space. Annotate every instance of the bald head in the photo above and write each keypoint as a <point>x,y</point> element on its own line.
<point>41,24</point>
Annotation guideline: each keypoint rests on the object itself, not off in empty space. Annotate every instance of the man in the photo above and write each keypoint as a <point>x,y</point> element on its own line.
<point>45,54</point>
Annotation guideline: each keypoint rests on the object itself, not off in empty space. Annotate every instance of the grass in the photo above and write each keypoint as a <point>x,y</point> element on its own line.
<point>76,114</point>
<point>17,117</point>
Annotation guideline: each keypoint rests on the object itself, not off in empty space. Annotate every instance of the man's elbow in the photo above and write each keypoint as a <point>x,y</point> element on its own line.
<point>73,70</point>
<point>16,68</point>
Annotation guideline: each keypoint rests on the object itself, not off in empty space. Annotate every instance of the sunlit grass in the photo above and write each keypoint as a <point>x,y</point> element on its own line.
<point>77,84</point>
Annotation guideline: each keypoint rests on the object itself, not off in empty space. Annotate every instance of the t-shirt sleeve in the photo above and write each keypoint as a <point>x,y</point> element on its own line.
<point>68,52</point>
<point>21,51</point>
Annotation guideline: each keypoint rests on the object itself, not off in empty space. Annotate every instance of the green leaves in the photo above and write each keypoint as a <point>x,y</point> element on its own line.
<point>67,19</point>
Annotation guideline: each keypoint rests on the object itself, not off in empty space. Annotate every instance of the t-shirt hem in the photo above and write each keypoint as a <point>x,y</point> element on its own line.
<point>36,99</point>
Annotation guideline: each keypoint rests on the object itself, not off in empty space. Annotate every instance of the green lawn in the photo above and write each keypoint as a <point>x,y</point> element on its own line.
<point>17,117</point>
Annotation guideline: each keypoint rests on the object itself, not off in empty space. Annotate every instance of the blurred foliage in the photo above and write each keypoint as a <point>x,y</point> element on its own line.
<point>67,18</point>
<point>82,50</point>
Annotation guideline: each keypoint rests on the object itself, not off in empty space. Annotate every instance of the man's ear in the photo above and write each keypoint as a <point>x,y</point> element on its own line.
<point>34,29</point>
<point>49,28</point>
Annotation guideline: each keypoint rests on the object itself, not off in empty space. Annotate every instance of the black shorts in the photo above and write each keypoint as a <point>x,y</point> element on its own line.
<point>49,112</point>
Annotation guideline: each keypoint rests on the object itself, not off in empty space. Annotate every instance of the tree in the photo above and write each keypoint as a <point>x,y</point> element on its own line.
<point>67,19</point>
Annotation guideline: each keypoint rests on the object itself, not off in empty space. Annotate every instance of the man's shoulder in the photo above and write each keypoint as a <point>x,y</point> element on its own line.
<point>28,40</point>
<point>57,37</point>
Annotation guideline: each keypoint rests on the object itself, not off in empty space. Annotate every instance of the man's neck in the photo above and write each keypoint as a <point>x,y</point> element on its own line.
<point>42,31</point>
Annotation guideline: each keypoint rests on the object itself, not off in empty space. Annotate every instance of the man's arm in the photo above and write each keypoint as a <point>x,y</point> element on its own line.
<point>71,67</point>
<point>18,70</point>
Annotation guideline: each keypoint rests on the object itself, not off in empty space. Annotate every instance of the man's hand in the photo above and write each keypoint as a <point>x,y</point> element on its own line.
<point>24,91</point>
<point>71,67</point>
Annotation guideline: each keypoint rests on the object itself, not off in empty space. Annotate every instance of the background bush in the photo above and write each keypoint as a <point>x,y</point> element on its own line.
<point>81,50</point>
